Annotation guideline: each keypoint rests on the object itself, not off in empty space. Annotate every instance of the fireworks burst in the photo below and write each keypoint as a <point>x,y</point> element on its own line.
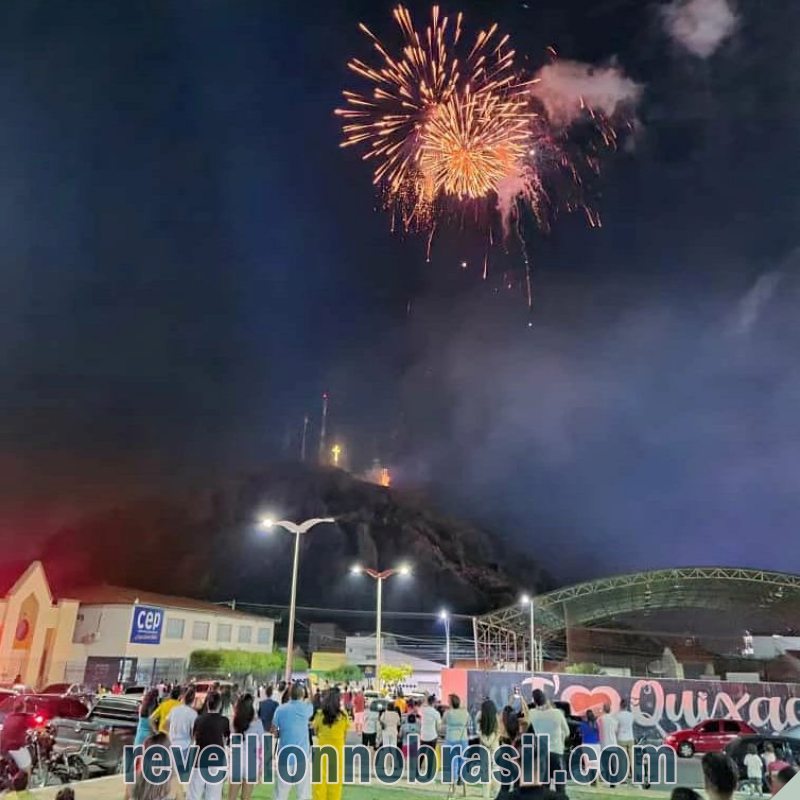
<point>438,123</point>
<point>455,128</point>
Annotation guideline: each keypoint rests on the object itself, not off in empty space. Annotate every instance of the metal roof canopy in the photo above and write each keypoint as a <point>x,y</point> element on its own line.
<point>585,604</point>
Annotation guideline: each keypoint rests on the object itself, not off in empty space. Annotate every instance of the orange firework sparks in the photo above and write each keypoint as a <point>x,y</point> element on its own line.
<point>436,123</point>
<point>454,130</point>
<point>473,142</point>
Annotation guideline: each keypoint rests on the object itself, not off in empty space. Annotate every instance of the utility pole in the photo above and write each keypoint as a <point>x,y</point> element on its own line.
<point>323,431</point>
<point>303,439</point>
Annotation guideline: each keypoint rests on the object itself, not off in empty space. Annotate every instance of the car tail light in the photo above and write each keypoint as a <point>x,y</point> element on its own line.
<point>39,720</point>
<point>104,736</point>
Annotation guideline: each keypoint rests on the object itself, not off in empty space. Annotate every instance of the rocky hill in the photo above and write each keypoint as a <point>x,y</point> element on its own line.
<point>214,547</point>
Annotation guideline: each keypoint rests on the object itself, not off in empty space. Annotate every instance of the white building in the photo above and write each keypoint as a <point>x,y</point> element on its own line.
<point>143,636</point>
<point>426,676</point>
<point>768,647</point>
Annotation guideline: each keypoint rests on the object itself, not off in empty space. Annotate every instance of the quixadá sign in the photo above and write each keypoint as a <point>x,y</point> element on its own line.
<point>147,624</point>
<point>663,705</point>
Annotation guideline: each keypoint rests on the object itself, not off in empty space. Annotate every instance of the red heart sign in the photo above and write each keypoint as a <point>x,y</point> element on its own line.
<point>582,699</point>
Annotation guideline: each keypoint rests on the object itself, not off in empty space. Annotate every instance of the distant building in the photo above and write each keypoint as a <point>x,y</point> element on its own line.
<point>326,637</point>
<point>36,633</point>
<point>426,676</point>
<point>141,637</point>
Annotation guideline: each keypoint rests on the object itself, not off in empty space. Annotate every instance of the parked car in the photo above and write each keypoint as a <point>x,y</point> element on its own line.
<point>737,749</point>
<point>101,736</point>
<point>711,736</point>
<point>23,713</point>
<point>63,688</point>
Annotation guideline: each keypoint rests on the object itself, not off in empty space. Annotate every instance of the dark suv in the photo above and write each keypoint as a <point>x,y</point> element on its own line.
<point>99,739</point>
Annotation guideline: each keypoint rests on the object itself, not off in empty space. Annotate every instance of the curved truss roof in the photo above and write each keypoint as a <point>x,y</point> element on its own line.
<point>587,604</point>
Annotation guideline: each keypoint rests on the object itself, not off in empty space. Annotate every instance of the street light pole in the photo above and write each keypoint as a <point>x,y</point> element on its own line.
<point>526,599</point>
<point>298,531</point>
<point>445,617</point>
<point>379,576</point>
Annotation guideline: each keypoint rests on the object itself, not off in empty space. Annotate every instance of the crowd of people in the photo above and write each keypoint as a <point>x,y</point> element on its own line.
<point>298,716</point>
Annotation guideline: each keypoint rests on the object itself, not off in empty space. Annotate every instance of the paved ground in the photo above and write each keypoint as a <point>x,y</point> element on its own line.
<point>689,774</point>
<point>112,789</point>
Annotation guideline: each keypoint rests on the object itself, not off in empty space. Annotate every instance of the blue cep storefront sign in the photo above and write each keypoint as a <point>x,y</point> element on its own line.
<point>147,624</point>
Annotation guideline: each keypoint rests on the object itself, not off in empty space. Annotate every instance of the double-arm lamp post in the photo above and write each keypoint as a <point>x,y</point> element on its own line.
<point>298,530</point>
<point>379,577</point>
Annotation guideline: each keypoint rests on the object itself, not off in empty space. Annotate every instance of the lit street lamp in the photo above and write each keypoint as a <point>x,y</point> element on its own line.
<point>445,617</point>
<point>527,600</point>
<point>297,530</point>
<point>379,578</point>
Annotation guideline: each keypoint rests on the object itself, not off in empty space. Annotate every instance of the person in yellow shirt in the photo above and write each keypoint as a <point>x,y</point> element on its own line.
<point>400,703</point>
<point>330,726</point>
<point>159,718</point>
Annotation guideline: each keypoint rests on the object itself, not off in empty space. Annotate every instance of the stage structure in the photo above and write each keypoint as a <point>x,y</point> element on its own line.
<point>502,637</point>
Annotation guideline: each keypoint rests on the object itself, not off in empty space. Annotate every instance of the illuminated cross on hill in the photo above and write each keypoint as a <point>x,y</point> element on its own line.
<point>336,451</point>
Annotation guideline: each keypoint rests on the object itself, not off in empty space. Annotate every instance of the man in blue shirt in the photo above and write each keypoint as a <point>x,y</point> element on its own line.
<point>266,710</point>
<point>291,719</point>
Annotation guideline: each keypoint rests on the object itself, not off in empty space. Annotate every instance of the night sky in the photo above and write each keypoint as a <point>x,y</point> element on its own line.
<point>188,260</point>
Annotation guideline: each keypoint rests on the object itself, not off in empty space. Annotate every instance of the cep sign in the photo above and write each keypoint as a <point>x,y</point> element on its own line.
<point>147,624</point>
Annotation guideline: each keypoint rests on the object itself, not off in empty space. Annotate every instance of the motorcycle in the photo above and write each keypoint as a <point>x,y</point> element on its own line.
<point>9,771</point>
<point>64,766</point>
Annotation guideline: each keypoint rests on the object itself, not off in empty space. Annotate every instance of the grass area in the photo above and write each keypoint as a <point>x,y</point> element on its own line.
<point>404,791</point>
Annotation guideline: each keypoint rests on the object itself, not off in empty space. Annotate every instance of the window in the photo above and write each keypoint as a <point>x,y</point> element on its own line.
<point>731,726</point>
<point>711,726</point>
<point>245,634</point>
<point>200,631</point>
<point>175,628</point>
<point>223,632</point>
<point>264,636</point>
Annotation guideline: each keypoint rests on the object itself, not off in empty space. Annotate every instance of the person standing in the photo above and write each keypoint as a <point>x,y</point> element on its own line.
<point>590,738</point>
<point>146,708</point>
<point>159,718</point>
<point>210,728</point>
<point>625,736</point>
<point>181,722</point>
<point>369,732</point>
<point>359,703</point>
<point>546,720</point>
<point>489,732</point>
<point>607,728</point>
<point>249,727</point>
<point>455,723</point>
<point>266,709</point>
<point>720,776</point>
<point>430,720</point>
<point>291,720</point>
<point>755,769</point>
<point>331,725</point>
<point>390,725</point>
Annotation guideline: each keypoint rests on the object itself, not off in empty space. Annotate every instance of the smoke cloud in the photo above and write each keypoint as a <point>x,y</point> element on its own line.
<point>627,429</point>
<point>700,26</point>
<point>566,88</point>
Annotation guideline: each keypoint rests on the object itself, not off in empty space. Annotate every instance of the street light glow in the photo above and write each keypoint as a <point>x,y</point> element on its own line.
<point>443,615</point>
<point>266,522</point>
<point>356,569</point>
<point>525,599</point>
<point>404,569</point>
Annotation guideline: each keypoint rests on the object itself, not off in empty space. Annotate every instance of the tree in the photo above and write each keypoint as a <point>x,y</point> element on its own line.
<point>347,673</point>
<point>394,674</point>
<point>584,668</point>
<point>240,662</point>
